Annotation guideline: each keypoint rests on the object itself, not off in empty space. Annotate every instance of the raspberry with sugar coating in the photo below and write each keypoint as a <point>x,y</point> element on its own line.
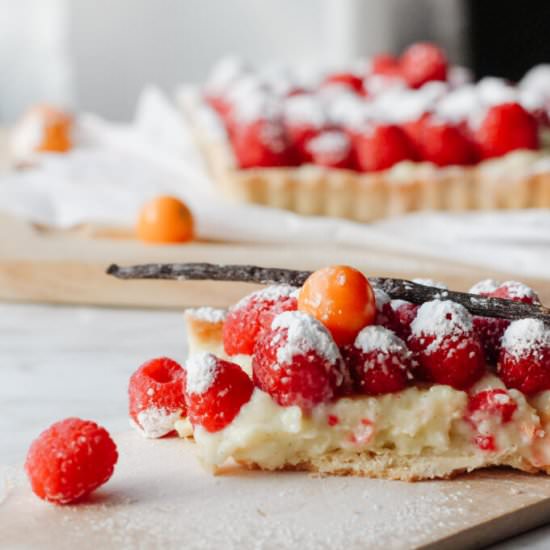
<point>156,399</point>
<point>69,460</point>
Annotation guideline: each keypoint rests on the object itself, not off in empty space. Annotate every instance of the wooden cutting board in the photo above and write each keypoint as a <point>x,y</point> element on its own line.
<point>45,265</point>
<point>160,497</point>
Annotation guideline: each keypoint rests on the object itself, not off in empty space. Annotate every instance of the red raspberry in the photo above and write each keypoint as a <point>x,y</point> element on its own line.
<point>505,128</point>
<point>252,315</point>
<point>304,118</point>
<point>384,311</point>
<point>331,148</point>
<point>516,291</point>
<point>423,62</point>
<point>447,348</point>
<point>220,105</point>
<point>496,403</point>
<point>382,146</point>
<point>156,396</point>
<point>262,143</point>
<point>69,460</point>
<point>485,409</point>
<point>404,313</point>
<point>215,391</point>
<point>380,361</point>
<point>524,361</point>
<point>442,143</point>
<point>486,443</point>
<point>398,315</point>
<point>297,362</point>
<point>490,330</point>
<point>386,65</point>
<point>299,135</point>
<point>349,80</point>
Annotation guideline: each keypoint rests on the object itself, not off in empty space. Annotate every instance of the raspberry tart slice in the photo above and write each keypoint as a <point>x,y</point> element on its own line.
<point>327,389</point>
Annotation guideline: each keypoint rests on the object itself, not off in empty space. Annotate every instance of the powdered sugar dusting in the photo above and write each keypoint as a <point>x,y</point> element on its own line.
<point>525,336</point>
<point>154,484</point>
<point>272,135</point>
<point>430,282</point>
<point>269,294</point>
<point>201,372</point>
<point>253,105</point>
<point>396,304</point>
<point>225,73</point>
<point>441,318</point>
<point>330,142</point>
<point>377,338</point>
<point>382,298</point>
<point>519,290</point>
<point>484,287</point>
<point>210,314</point>
<point>304,109</point>
<point>154,423</point>
<point>305,334</point>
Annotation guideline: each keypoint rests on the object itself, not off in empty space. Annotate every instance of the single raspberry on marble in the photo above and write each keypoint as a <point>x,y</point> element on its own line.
<point>69,460</point>
<point>156,400</point>
<point>446,346</point>
<point>298,363</point>
<point>247,319</point>
<point>380,361</point>
<point>215,391</point>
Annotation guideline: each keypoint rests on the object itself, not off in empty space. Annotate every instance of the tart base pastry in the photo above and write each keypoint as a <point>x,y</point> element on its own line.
<point>520,179</point>
<point>388,465</point>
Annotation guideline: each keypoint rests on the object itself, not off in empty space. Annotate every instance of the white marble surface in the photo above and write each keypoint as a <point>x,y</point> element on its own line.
<point>57,362</point>
<point>68,361</point>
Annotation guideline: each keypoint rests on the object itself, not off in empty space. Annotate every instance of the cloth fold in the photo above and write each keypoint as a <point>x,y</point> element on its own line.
<point>117,167</point>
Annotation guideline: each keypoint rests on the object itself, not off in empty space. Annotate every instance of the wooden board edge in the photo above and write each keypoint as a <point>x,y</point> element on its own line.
<point>498,529</point>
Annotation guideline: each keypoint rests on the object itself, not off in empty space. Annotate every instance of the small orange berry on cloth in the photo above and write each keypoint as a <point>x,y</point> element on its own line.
<point>165,219</point>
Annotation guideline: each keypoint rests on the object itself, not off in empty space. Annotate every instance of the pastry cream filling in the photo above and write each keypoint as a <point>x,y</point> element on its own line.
<point>411,422</point>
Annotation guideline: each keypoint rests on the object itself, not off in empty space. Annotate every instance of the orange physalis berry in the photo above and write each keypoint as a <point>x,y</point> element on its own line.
<point>341,298</point>
<point>56,129</point>
<point>165,220</point>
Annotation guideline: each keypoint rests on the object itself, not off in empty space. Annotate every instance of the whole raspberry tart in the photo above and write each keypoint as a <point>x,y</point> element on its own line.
<point>327,378</point>
<point>389,136</point>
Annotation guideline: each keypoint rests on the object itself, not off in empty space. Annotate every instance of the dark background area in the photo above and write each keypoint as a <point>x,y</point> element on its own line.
<point>507,38</point>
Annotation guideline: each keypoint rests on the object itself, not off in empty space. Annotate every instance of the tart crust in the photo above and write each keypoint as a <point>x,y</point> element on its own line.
<point>390,465</point>
<point>518,180</point>
<point>204,335</point>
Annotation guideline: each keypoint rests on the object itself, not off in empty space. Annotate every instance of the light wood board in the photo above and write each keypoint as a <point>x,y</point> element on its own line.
<point>160,497</point>
<point>44,265</point>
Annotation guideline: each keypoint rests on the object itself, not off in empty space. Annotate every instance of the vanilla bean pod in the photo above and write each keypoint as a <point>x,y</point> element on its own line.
<point>398,289</point>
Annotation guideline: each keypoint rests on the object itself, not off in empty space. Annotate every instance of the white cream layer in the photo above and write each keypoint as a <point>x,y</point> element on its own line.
<point>412,422</point>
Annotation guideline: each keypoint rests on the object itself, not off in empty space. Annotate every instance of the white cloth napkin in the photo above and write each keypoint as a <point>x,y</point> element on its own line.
<point>117,167</point>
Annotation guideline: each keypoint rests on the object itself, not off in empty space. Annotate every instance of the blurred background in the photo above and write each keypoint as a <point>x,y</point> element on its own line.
<point>97,55</point>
